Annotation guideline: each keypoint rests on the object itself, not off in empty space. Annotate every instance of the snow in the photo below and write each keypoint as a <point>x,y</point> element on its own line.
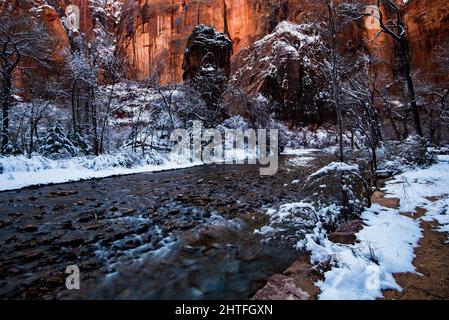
<point>363,270</point>
<point>20,172</point>
<point>335,167</point>
<point>415,186</point>
<point>387,243</point>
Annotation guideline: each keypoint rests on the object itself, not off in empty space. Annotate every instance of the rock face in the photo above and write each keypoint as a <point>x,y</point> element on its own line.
<point>48,17</point>
<point>206,47</point>
<point>284,67</point>
<point>157,31</point>
<point>428,26</point>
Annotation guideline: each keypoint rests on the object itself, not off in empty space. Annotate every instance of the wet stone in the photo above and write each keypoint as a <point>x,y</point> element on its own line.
<point>30,228</point>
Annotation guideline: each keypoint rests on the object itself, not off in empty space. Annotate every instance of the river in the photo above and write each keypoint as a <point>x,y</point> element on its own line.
<point>185,234</point>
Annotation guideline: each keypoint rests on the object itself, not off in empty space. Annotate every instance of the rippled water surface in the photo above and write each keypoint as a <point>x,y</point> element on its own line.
<point>185,234</point>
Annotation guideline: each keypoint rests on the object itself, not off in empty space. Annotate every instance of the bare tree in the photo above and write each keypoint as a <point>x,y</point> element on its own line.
<point>334,27</point>
<point>361,96</point>
<point>20,40</point>
<point>393,24</point>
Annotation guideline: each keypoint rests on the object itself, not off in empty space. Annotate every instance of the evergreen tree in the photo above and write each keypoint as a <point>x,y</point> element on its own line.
<point>56,145</point>
<point>10,149</point>
<point>81,142</point>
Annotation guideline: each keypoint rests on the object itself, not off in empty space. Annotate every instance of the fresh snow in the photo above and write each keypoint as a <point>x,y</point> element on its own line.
<point>386,244</point>
<point>415,186</point>
<point>20,172</point>
<point>361,271</point>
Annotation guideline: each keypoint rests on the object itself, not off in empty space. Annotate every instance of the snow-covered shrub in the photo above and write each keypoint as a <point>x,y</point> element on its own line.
<point>123,159</point>
<point>284,133</point>
<point>318,139</point>
<point>23,164</point>
<point>11,149</point>
<point>234,123</point>
<point>414,151</point>
<point>56,145</point>
<point>398,157</point>
<point>81,142</point>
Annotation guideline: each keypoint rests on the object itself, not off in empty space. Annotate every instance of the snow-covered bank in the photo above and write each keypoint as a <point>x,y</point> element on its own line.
<point>425,188</point>
<point>20,172</point>
<point>361,271</point>
<point>387,242</point>
<point>385,246</point>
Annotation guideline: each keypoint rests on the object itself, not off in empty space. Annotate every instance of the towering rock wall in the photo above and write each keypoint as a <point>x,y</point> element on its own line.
<point>428,27</point>
<point>155,32</point>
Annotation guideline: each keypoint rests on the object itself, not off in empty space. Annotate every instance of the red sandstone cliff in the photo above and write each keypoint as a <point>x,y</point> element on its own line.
<point>155,32</point>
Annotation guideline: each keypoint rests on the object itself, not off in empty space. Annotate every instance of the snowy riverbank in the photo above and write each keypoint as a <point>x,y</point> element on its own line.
<point>387,243</point>
<point>20,172</point>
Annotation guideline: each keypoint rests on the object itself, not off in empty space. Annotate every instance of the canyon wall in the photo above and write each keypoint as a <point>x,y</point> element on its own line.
<point>428,27</point>
<point>155,32</point>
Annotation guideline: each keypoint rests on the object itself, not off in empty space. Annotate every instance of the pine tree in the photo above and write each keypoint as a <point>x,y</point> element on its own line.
<point>81,142</point>
<point>56,145</point>
<point>10,149</point>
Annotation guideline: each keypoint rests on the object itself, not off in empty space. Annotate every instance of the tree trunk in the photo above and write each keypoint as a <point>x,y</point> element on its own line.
<point>30,151</point>
<point>5,111</point>
<point>73,107</point>
<point>335,75</point>
<point>94,124</point>
<point>106,119</point>
<point>410,85</point>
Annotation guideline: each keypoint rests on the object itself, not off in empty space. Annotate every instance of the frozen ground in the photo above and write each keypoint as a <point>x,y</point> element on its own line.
<point>384,247</point>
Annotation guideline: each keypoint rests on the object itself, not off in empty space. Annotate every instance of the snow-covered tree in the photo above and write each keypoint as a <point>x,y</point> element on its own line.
<point>360,94</point>
<point>21,40</point>
<point>55,144</point>
<point>81,142</point>
<point>210,83</point>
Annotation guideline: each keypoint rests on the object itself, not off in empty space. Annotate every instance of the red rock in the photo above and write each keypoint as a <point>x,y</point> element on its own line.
<point>280,287</point>
<point>156,31</point>
<point>346,234</point>
<point>379,198</point>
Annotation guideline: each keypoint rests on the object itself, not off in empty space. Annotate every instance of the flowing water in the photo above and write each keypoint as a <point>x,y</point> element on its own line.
<point>186,234</point>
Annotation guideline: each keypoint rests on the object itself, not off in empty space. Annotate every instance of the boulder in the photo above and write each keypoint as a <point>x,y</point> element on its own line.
<point>346,234</point>
<point>284,67</point>
<point>281,287</point>
<point>206,48</point>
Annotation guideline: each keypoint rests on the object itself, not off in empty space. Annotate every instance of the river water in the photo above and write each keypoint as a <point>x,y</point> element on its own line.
<point>185,234</point>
